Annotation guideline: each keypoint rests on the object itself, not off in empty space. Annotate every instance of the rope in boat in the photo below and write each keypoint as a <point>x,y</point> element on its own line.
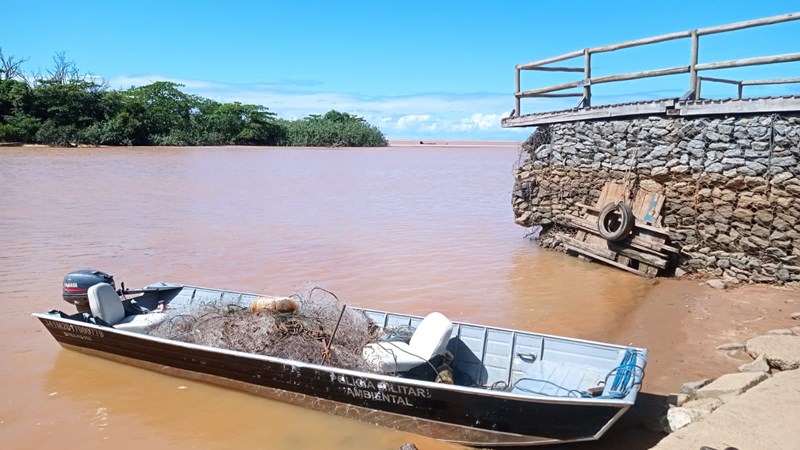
<point>626,376</point>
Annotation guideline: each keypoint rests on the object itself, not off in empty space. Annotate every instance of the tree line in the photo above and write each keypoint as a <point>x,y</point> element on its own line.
<point>66,108</point>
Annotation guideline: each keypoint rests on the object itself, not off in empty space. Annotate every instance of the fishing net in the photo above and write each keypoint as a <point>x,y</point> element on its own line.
<point>306,334</point>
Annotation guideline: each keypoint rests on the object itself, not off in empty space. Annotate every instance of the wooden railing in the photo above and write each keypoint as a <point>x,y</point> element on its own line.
<point>692,68</point>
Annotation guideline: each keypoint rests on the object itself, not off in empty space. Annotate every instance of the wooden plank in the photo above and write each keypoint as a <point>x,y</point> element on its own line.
<point>635,242</point>
<point>720,80</point>
<point>557,87</point>
<point>773,81</point>
<point>611,192</point>
<point>643,41</point>
<point>745,106</point>
<point>693,81</point>
<point>595,241</point>
<point>604,112</point>
<point>564,94</point>
<point>557,69</point>
<point>639,223</point>
<point>608,261</point>
<point>590,208</point>
<point>757,61</point>
<point>611,250</point>
<point>644,226</point>
<point>604,252</point>
<point>601,199</point>
<point>517,101</point>
<point>646,74</point>
<point>657,261</point>
<point>648,269</point>
<point>660,207</point>
<point>647,207</point>
<point>587,75</point>
<point>542,62</point>
<point>690,108</point>
<point>749,24</point>
<point>616,192</point>
<point>658,240</point>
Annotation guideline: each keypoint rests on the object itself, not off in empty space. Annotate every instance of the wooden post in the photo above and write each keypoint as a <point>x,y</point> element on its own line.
<point>740,90</point>
<point>694,83</point>
<point>517,100</point>
<point>587,76</point>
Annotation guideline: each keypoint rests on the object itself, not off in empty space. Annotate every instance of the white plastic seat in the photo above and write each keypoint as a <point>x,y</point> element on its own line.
<point>106,304</point>
<point>428,341</point>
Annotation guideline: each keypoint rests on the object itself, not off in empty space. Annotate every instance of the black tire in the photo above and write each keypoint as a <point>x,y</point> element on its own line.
<point>615,221</point>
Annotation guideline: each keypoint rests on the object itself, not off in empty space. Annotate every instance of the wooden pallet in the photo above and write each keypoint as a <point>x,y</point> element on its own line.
<point>644,252</point>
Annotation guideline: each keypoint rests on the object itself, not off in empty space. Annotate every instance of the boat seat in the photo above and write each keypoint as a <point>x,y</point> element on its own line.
<point>428,341</point>
<point>106,304</point>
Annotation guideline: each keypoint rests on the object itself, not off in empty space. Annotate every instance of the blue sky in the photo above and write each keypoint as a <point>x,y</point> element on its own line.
<point>416,69</point>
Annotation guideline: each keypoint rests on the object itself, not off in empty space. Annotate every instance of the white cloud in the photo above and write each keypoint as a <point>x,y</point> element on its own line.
<point>412,121</point>
<point>479,121</point>
<point>439,115</point>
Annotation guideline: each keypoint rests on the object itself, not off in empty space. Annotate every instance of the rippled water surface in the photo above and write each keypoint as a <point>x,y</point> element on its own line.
<point>404,229</point>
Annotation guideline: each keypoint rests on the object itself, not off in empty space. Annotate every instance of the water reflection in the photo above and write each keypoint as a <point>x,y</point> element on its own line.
<point>96,402</point>
<point>558,295</point>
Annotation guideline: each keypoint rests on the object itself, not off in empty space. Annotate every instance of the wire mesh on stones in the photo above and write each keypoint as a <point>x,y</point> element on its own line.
<point>302,336</point>
<point>731,185</point>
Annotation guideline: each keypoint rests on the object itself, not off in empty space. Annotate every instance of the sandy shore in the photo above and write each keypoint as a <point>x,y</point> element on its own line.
<point>682,322</point>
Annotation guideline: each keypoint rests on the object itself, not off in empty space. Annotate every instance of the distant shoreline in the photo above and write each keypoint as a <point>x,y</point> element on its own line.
<point>449,143</point>
<point>392,143</point>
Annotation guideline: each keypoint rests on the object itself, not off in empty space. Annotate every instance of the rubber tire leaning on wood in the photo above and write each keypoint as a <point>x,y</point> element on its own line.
<point>611,214</point>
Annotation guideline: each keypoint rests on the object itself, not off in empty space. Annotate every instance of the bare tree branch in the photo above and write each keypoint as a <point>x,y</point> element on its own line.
<point>10,66</point>
<point>64,70</point>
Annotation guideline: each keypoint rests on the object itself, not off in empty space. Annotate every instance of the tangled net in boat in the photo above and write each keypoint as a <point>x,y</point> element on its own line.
<point>306,334</point>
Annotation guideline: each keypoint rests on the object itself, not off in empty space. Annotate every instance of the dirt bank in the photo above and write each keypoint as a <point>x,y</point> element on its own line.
<point>682,322</point>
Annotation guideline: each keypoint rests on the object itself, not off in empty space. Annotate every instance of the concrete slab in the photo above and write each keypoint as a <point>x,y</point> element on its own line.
<point>766,416</point>
<point>678,417</point>
<point>781,332</point>
<point>758,365</point>
<point>705,406</point>
<point>782,352</point>
<point>690,388</point>
<point>732,383</point>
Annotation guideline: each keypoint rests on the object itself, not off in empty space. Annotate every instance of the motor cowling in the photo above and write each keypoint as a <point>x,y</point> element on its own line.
<point>78,282</point>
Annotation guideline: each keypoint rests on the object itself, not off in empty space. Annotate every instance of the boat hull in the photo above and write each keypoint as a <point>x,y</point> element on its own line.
<point>475,417</point>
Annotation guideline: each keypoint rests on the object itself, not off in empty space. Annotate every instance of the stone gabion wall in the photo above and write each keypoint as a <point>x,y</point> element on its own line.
<point>731,185</point>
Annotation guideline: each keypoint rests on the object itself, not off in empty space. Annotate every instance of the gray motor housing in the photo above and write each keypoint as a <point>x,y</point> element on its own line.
<point>78,282</point>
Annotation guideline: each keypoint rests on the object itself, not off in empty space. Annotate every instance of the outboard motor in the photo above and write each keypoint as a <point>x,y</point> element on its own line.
<point>78,282</point>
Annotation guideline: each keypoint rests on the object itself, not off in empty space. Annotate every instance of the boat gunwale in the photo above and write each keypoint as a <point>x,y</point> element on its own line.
<point>520,440</point>
<point>470,390</point>
<point>414,316</point>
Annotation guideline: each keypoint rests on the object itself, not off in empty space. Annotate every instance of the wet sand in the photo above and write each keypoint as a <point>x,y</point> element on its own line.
<point>682,322</point>
<point>403,228</point>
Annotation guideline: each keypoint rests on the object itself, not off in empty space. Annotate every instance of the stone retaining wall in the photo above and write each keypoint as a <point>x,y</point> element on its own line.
<point>731,185</point>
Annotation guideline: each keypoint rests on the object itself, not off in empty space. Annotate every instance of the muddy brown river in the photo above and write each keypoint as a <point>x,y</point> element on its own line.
<point>406,229</point>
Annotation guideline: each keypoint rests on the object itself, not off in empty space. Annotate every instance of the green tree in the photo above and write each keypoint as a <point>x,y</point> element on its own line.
<point>67,108</point>
<point>164,110</point>
<point>333,129</point>
<point>235,123</point>
<point>16,125</point>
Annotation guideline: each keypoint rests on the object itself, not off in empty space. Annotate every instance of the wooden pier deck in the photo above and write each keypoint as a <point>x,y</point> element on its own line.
<point>662,107</point>
<point>689,104</point>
